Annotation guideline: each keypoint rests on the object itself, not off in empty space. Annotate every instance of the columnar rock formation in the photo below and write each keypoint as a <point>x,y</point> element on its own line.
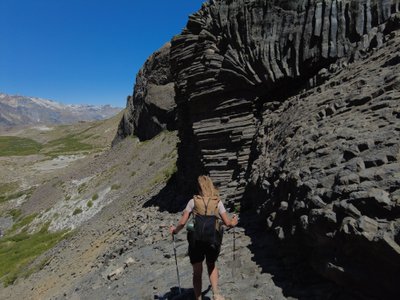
<point>293,107</point>
<point>151,108</point>
<point>235,56</point>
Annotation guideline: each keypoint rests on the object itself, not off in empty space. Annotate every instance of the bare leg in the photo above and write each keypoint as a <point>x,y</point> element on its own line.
<point>197,272</point>
<point>213,274</point>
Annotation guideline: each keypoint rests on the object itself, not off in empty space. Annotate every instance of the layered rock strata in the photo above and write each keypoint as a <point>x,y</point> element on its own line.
<point>234,56</point>
<point>291,107</point>
<point>151,108</point>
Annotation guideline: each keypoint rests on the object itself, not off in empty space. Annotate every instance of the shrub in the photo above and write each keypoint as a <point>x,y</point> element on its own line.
<point>115,186</point>
<point>89,203</point>
<point>81,188</point>
<point>15,213</point>
<point>95,197</point>
<point>77,210</point>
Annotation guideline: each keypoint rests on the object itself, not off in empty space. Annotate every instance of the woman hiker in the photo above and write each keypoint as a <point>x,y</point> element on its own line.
<point>207,209</point>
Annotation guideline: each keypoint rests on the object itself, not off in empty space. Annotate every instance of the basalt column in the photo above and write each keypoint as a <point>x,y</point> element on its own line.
<point>234,57</point>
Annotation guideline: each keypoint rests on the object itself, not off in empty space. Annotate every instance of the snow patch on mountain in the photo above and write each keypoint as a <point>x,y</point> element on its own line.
<point>22,110</point>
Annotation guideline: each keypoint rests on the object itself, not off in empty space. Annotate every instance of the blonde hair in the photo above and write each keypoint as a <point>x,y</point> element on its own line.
<point>206,187</point>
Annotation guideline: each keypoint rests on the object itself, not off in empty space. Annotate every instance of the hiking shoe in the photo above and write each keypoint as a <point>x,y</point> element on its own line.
<point>218,297</point>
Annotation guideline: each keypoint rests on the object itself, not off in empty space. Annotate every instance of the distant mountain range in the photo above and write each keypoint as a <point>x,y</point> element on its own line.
<point>22,110</point>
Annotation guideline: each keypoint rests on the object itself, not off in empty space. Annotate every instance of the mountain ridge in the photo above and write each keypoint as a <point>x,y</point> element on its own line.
<point>26,110</point>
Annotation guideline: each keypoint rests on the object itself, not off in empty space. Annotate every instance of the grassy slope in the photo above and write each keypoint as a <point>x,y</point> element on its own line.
<point>18,248</point>
<point>12,145</point>
<point>133,169</point>
<point>61,140</point>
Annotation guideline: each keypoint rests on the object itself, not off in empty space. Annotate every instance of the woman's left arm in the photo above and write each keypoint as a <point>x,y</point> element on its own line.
<point>185,216</point>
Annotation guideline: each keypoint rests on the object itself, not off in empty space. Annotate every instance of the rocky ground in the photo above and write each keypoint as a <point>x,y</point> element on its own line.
<point>142,266</point>
<point>124,251</point>
<point>127,253</point>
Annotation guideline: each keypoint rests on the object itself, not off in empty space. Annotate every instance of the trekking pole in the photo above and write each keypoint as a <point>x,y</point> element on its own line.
<point>176,263</point>
<point>234,244</point>
<point>234,253</point>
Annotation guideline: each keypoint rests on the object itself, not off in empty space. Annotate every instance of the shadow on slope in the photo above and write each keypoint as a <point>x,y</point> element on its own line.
<point>185,294</point>
<point>169,199</point>
<point>291,272</point>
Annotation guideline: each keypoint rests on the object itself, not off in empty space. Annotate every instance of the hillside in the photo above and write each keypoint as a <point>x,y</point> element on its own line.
<point>74,181</point>
<point>21,110</point>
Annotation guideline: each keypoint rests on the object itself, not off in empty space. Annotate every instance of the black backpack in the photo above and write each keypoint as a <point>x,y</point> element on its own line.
<point>207,224</point>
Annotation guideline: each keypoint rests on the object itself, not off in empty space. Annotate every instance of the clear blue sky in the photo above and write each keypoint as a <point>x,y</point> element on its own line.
<point>83,51</point>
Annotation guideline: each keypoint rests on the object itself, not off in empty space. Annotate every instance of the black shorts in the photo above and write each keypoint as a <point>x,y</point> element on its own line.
<point>199,250</point>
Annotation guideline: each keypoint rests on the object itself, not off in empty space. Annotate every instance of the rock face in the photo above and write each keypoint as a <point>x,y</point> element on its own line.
<point>151,108</point>
<point>292,107</point>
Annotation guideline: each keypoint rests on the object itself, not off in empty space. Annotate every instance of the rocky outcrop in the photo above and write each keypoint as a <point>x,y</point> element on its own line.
<point>151,108</point>
<point>292,108</point>
<point>235,56</point>
<point>328,178</point>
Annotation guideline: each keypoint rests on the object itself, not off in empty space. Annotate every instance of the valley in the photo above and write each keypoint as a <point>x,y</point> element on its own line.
<point>73,175</point>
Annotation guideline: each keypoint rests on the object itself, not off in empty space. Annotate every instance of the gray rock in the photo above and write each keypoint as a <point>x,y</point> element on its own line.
<point>151,108</point>
<point>114,275</point>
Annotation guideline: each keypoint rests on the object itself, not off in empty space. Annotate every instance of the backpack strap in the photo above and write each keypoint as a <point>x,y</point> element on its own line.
<point>206,206</point>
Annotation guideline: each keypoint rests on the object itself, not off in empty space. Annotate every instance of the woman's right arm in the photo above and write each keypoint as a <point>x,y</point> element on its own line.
<point>228,221</point>
<point>181,223</point>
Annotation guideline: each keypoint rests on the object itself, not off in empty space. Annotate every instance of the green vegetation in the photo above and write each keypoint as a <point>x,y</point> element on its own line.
<point>66,145</point>
<point>164,174</point>
<point>169,171</point>
<point>23,222</point>
<point>151,163</point>
<point>18,251</point>
<point>9,191</point>
<point>68,197</point>
<point>8,187</point>
<point>12,196</point>
<point>89,203</point>
<point>77,210</point>
<point>81,188</point>
<point>115,186</point>
<point>133,173</point>
<point>12,145</point>
<point>15,213</point>
<point>95,197</point>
